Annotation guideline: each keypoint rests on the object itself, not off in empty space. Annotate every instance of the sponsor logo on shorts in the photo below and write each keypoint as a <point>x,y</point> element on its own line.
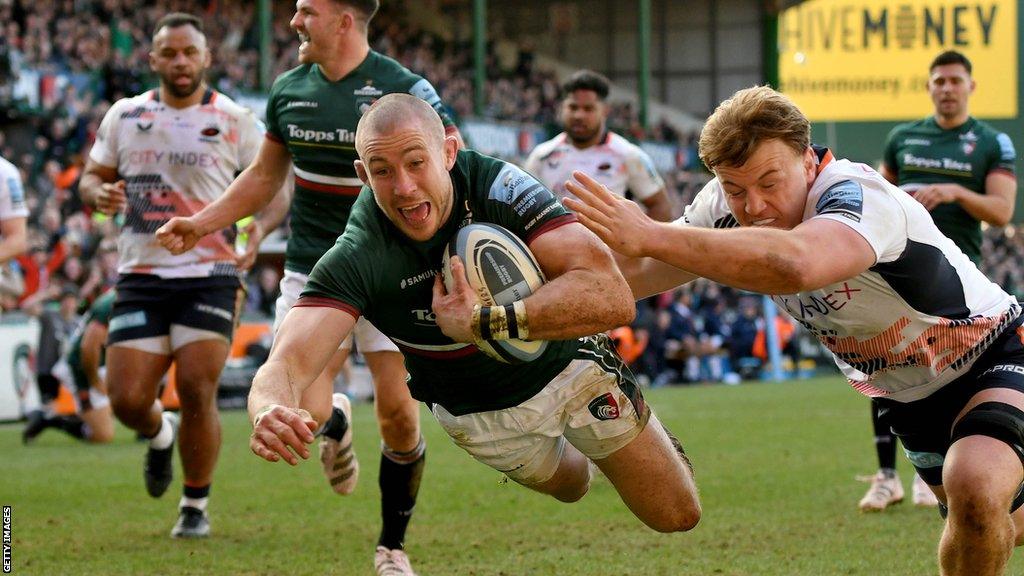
<point>604,407</point>
<point>925,459</point>
<point>130,320</point>
<point>216,311</point>
<point>1015,368</point>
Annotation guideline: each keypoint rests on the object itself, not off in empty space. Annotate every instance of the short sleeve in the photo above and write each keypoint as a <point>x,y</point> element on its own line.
<point>524,205</point>
<point>425,91</point>
<point>272,130</point>
<point>12,196</point>
<point>343,277</point>
<point>644,180</point>
<point>870,211</point>
<point>104,150</point>
<point>250,139</point>
<point>889,152</point>
<point>1004,157</point>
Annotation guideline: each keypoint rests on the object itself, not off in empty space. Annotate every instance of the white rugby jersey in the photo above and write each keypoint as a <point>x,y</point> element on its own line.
<point>175,162</point>
<point>914,321</point>
<point>12,194</point>
<point>614,162</point>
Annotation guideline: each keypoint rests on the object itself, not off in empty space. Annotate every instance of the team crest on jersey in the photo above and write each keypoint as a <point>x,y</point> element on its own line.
<point>366,96</point>
<point>968,141</point>
<point>209,134</point>
<point>604,407</point>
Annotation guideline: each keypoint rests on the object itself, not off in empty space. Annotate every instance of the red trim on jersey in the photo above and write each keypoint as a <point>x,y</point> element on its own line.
<point>329,188</point>
<point>1004,172</point>
<point>439,354</point>
<point>551,225</point>
<point>325,302</point>
<point>825,160</point>
<point>273,138</point>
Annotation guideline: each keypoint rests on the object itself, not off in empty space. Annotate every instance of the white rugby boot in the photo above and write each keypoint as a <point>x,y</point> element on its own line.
<point>884,492</point>
<point>338,457</point>
<point>921,494</point>
<point>392,562</point>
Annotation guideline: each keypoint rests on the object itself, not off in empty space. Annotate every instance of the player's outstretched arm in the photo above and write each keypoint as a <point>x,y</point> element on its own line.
<point>763,260</point>
<point>305,342</point>
<point>253,190</point>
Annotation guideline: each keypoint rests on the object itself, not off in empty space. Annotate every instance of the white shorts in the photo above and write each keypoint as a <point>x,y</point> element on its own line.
<point>583,404</point>
<point>367,337</point>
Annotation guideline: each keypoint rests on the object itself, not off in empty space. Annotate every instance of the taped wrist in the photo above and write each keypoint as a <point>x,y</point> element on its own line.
<point>500,322</point>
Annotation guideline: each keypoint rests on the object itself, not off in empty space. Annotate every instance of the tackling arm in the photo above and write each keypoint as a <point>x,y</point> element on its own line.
<point>585,293</point>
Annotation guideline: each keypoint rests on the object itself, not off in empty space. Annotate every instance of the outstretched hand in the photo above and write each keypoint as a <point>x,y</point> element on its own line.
<point>282,432</point>
<point>619,222</point>
<point>453,310</point>
<point>178,235</point>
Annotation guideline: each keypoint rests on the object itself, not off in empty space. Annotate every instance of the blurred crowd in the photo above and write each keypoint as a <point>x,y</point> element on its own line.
<point>86,54</point>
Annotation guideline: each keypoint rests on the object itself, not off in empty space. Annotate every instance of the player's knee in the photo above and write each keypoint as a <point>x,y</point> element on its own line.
<point>198,393</point>
<point>680,518</point>
<point>399,424</point>
<point>573,492</point>
<point>129,408</point>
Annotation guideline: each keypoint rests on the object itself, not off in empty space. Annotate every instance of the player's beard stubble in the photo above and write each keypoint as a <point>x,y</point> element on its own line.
<point>181,90</point>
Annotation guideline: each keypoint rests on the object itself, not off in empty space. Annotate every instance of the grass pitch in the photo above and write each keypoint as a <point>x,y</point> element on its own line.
<point>775,464</point>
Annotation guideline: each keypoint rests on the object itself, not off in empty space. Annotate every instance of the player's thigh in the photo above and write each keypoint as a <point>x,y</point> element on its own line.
<point>524,442</point>
<point>653,480</point>
<point>138,339</point>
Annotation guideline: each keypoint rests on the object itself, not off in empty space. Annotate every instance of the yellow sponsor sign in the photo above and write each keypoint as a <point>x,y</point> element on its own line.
<point>868,59</point>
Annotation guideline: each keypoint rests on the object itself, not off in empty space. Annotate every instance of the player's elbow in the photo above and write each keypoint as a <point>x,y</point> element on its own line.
<point>623,308</point>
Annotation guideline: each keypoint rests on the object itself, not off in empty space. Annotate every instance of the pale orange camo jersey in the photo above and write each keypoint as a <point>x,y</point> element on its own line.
<point>938,347</point>
<point>174,162</point>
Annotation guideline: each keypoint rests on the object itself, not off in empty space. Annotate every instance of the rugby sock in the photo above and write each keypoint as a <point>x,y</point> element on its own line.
<point>885,441</point>
<point>164,437</point>
<point>336,425</point>
<point>195,497</point>
<point>400,474</point>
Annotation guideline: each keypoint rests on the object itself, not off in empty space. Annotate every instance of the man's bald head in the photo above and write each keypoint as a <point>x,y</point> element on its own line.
<point>395,112</point>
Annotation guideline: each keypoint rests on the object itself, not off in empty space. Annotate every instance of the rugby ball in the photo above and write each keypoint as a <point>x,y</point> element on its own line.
<point>501,269</point>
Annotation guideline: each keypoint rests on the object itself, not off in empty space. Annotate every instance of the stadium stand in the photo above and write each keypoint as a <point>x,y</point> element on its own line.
<point>63,63</point>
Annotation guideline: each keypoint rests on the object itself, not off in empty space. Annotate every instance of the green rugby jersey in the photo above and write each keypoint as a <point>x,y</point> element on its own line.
<point>922,153</point>
<point>100,311</point>
<point>316,120</point>
<point>377,271</point>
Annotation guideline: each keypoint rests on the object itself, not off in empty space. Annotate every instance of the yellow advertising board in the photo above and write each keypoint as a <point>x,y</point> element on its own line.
<point>859,60</point>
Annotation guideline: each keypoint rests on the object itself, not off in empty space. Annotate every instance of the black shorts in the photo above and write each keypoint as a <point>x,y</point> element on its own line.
<point>925,426</point>
<point>148,306</point>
